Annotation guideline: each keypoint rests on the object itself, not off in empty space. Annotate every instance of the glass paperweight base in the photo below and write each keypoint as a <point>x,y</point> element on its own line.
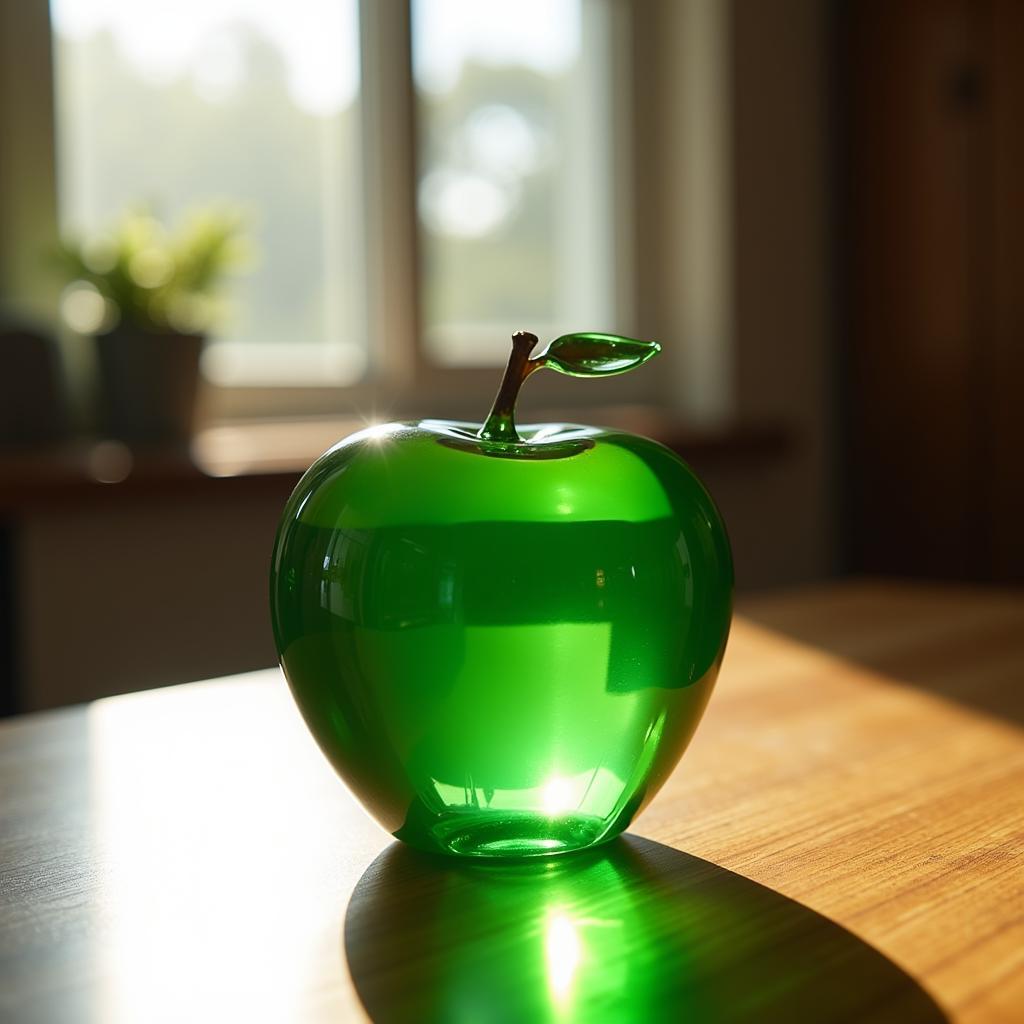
<point>514,835</point>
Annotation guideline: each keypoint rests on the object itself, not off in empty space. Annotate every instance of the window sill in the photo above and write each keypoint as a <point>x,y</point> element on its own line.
<point>271,455</point>
<point>289,446</point>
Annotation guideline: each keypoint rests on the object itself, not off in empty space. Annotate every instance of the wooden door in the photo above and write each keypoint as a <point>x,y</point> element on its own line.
<point>932,163</point>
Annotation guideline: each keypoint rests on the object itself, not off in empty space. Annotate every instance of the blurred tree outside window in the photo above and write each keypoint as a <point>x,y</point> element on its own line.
<point>514,188</point>
<point>256,103</point>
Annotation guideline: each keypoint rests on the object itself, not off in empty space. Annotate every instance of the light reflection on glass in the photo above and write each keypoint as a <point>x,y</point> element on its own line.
<point>557,796</point>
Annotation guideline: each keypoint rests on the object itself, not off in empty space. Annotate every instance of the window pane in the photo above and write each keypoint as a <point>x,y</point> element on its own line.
<point>252,102</point>
<point>515,198</point>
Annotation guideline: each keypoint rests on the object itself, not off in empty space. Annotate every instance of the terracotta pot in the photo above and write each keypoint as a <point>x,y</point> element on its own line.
<point>148,383</point>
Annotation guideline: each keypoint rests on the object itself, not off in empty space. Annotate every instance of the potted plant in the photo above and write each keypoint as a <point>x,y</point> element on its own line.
<point>149,296</point>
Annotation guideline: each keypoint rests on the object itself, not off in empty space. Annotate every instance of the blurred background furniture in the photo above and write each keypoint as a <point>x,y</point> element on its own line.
<point>33,406</point>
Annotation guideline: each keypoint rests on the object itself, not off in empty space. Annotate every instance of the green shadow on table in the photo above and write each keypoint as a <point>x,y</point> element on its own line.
<point>633,931</point>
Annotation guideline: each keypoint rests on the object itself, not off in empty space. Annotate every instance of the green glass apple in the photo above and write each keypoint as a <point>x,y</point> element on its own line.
<point>503,639</point>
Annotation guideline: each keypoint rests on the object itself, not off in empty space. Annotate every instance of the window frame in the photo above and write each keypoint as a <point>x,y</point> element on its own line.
<point>401,376</point>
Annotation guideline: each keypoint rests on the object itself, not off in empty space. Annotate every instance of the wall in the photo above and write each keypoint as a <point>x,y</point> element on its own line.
<point>783,277</point>
<point>735,243</point>
<point>130,592</point>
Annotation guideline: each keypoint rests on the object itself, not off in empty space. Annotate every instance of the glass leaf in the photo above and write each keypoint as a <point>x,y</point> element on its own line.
<point>597,355</point>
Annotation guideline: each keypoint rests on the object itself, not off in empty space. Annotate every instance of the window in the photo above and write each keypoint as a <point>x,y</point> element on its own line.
<point>255,104</point>
<point>262,105</point>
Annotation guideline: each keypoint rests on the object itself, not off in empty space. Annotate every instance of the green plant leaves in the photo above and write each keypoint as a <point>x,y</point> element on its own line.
<point>155,278</point>
<point>596,355</point>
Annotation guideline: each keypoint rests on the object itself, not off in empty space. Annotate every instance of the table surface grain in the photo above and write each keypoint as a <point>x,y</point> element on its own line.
<point>844,840</point>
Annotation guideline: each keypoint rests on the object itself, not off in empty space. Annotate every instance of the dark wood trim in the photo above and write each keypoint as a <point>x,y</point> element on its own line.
<point>933,222</point>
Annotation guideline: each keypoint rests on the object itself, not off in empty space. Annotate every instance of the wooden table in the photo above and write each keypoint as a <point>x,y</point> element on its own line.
<point>843,841</point>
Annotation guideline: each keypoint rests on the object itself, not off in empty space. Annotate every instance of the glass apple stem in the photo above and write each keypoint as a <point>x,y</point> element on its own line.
<point>500,425</point>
